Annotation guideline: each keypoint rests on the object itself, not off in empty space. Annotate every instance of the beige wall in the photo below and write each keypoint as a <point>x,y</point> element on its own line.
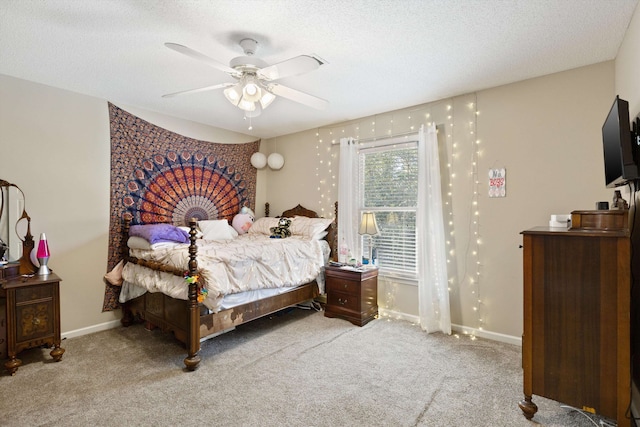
<point>546,132</point>
<point>627,80</point>
<point>54,144</point>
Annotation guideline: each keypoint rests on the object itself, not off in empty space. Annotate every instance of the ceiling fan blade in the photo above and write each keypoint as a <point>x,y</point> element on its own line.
<point>297,96</point>
<point>202,89</point>
<point>291,67</point>
<point>202,57</point>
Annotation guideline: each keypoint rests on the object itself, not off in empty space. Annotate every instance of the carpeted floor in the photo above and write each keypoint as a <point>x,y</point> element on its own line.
<point>297,368</point>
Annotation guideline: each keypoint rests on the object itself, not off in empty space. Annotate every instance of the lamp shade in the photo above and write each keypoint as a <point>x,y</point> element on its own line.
<point>267,99</point>
<point>233,94</point>
<point>246,105</point>
<point>275,161</point>
<point>258,160</point>
<point>257,110</point>
<point>368,224</point>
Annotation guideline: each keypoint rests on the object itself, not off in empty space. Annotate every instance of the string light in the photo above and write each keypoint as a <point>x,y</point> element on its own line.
<point>325,175</point>
<point>469,282</point>
<point>464,266</point>
<point>475,280</point>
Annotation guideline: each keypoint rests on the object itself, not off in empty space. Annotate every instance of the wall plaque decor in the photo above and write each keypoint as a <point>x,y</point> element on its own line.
<point>498,182</point>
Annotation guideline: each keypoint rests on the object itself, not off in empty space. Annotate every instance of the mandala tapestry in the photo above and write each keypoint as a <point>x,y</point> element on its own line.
<point>160,176</point>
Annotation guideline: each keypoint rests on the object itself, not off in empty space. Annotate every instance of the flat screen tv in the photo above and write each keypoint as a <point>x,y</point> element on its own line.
<point>620,148</point>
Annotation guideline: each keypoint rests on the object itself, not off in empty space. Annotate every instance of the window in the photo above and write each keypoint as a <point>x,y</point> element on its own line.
<point>388,174</point>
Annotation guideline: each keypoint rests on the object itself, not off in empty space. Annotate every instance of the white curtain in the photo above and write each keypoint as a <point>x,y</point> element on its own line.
<point>348,196</point>
<point>433,286</point>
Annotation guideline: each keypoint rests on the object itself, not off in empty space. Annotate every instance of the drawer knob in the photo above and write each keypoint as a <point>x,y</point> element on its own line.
<point>342,301</point>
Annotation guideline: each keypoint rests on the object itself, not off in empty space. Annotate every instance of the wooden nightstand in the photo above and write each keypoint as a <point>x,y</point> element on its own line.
<point>32,316</point>
<point>352,295</point>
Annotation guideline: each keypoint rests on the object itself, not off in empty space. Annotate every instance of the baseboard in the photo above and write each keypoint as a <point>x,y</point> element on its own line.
<point>494,336</point>
<point>481,333</point>
<point>383,312</point>
<point>91,329</point>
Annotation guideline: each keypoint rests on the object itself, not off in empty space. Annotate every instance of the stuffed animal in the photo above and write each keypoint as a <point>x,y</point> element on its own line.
<point>242,222</point>
<point>282,230</point>
<point>248,211</point>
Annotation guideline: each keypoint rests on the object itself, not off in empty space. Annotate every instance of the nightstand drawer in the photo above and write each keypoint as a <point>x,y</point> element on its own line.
<point>337,284</point>
<point>341,300</point>
<point>33,293</point>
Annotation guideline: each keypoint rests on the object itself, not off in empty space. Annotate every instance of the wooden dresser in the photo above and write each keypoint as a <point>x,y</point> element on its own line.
<point>576,340</point>
<point>352,294</point>
<point>31,315</point>
<point>6,270</point>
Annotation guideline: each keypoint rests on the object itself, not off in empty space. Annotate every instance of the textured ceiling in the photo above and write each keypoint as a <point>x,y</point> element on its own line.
<point>382,55</point>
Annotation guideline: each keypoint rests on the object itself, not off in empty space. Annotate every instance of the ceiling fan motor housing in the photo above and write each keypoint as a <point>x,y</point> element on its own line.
<point>247,63</point>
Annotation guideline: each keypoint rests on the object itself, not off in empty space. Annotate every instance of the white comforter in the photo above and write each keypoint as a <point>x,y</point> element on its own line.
<point>248,262</point>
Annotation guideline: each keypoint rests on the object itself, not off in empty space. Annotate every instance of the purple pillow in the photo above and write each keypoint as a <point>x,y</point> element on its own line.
<point>155,233</point>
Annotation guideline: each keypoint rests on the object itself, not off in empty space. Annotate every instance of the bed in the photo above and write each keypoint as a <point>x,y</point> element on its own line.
<point>194,315</point>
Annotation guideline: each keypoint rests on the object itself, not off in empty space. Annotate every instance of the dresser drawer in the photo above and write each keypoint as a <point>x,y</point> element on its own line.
<point>3,329</point>
<point>34,321</point>
<point>337,284</point>
<point>341,300</point>
<point>32,293</point>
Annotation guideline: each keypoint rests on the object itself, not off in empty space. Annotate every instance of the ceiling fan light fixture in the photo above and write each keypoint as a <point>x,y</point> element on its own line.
<point>254,113</point>
<point>246,105</point>
<point>267,99</point>
<point>233,94</point>
<point>251,92</point>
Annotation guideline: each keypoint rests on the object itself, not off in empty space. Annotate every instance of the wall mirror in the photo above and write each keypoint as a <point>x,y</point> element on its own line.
<point>12,204</point>
<point>16,241</point>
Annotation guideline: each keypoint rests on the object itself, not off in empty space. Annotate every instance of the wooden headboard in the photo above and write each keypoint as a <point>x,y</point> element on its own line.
<point>332,231</point>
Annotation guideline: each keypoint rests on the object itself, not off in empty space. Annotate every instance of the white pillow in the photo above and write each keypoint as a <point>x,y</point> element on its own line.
<point>263,225</point>
<point>310,228</point>
<point>188,229</point>
<point>321,235</point>
<point>217,229</point>
<point>136,242</point>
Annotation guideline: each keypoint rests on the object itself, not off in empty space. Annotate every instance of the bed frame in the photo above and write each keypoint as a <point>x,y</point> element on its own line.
<point>189,320</point>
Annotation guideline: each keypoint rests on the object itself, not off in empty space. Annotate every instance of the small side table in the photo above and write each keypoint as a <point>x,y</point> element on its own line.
<point>32,316</point>
<point>352,294</point>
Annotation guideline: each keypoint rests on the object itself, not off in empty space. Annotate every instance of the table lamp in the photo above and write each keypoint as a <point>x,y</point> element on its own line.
<point>43,255</point>
<point>369,226</point>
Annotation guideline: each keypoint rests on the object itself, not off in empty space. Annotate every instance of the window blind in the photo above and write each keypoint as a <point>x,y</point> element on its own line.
<point>389,189</point>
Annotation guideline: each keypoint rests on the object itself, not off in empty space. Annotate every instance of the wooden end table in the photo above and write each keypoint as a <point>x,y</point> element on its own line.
<point>32,316</point>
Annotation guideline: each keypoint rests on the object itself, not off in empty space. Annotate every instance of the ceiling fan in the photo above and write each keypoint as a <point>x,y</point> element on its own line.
<point>254,89</point>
